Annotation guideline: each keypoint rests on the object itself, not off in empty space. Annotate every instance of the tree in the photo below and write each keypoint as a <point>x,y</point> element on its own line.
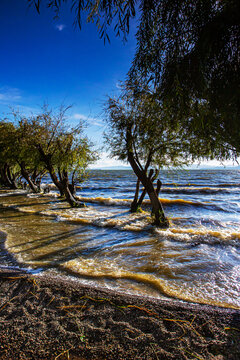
<point>64,151</point>
<point>18,159</point>
<point>188,50</point>
<point>140,132</point>
<point>27,156</point>
<point>9,170</point>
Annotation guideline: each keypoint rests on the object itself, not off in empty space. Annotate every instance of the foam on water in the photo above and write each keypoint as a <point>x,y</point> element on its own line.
<point>126,202</point>
<point>172,288</point>
<point>201,234</point>
<point>196,259</point>
<point>124,220</point>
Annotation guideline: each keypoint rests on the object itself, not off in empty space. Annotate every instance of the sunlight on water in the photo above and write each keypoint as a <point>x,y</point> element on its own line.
<point>197,259</point>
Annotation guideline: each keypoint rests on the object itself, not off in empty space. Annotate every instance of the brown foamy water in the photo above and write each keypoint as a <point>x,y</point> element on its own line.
<point>103,244</point>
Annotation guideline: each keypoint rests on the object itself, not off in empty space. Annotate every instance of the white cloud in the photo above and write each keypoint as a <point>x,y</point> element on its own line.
<point>9,94</point>
<point>60,27</point>
<point>214,163</point>
<point>88,119</point>
<point>106,161</point>
<point>119,85</point>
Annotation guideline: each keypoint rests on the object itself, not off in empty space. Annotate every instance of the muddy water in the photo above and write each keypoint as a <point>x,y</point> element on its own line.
<point>197,259</point>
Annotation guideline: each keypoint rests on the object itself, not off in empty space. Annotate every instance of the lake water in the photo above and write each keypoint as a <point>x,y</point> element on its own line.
<point>197,259</point>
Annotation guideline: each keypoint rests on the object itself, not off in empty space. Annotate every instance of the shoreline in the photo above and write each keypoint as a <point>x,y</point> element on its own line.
<point>42,317</point>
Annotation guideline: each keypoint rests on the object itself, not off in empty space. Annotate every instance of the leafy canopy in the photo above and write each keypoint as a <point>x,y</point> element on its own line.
<point>152,133</point>
<point>188,51</point>
<point>66,147</point>
<point>142,124</point>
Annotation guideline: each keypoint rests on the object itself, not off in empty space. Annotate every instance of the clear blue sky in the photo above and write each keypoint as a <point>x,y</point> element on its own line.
<point>47,60</point>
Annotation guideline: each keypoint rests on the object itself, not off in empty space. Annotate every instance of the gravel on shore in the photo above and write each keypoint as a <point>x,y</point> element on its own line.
<point>42,317</point>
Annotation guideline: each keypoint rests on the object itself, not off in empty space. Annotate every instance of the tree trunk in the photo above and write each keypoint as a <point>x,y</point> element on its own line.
<point>137,203</point>
<point>8,178</point>
<point>157,209</point>
<point>27,177</point>
<point>140,201</point>
<point>63,183</point>
<point>47,161</point>
<point>67,188</point>
<point>72,188</point>
<point>134,204</point>
<point>36,178</point>
<point>63,187</point>
<point>159,185</point>
<point>4,178</point>
<point>73,202</point>
<point>152,178</point>
<point>54,177</point>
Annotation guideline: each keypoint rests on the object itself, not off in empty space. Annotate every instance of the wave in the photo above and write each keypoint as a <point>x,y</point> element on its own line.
<point>217,185</point>
<point>163,262</point>
<point>167,202</point>
<point>109,201</point>
<point>105,201</point>
<point>127,202</point>
<point>97,187</point>
<point>125,221</point>
<point>103,269</point>
<point>166,190</point>
<point>199,190</point>
<point>201,235</point>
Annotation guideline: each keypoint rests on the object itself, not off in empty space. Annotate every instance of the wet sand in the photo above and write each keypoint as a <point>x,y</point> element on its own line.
<point>53,318</point>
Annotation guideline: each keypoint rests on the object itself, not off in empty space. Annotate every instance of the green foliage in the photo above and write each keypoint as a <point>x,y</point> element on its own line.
<point>155,138</point>
<point>189,52</point>
<point>45,142</point>
<point>9,167</point>
<point>7,139</point>
<point>65,147</point>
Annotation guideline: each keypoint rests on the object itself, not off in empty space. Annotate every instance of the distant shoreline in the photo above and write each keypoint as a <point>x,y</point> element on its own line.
<point>194,167</point>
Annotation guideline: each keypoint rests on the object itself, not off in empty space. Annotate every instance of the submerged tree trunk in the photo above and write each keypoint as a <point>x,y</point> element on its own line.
<point>64,188</point>
<point>157,209</point>
<point>137,203</point>
<point>73,202</point>
<point>72,188</point>
<point>61,181</point>
<point>140,201</point>
<point>37,177</point>
<point>47,161</point>
<point>12,178</point>
<point>134,204</point>
<point>69,191</point>
<point>27,177</point>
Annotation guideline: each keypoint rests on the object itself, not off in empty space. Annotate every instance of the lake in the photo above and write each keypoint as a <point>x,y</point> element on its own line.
<point>197,259</point>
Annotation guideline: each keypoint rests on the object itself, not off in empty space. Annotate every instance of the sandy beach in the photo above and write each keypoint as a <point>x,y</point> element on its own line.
<point>53,318</point>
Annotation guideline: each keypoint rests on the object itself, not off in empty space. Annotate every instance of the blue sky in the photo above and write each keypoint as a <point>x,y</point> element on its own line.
<point>47,60</point>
